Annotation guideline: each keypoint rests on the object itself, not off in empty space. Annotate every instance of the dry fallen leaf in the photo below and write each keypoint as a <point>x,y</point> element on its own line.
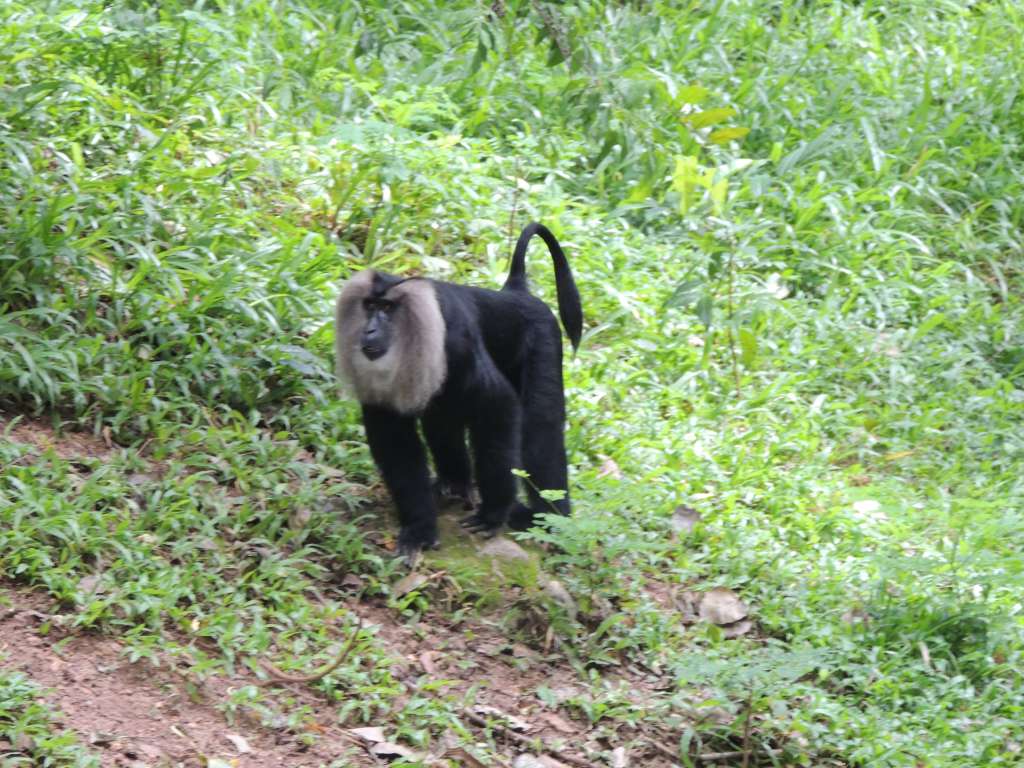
<point>490,647</point>
<point>513,722</point>
<point>619,758</point>
<point>371,734</point>
<point>389,749</point>
<point>88,584</point>
<point>520,651</point>
<point>464,758</point>
<point>241,745</point>
<point>427,662</point>
<point>722,606</point>
<point>558,722</point>
<point>352,581</point>
<point>408,583</point>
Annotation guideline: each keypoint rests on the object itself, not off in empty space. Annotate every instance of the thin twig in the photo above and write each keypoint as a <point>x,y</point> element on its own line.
<point>746,728</point>
<point>527,741</point>
<point>664,749</point>
<point>277,676</point>
<point>717,757</point>
<point>728,328</point>
<point>707,757</point>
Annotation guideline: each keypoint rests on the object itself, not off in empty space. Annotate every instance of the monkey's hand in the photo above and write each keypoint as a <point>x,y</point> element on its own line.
<point>412,542</point>
<point>477,523</point>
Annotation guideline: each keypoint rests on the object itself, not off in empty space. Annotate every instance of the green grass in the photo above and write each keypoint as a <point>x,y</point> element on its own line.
<point>823,356</point>
<point>28,733</point>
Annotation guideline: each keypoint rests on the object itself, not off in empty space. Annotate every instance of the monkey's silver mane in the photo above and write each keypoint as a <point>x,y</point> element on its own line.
<point>414,368</point>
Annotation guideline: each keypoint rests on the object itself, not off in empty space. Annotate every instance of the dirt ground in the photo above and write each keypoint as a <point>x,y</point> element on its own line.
<point>137,714</point>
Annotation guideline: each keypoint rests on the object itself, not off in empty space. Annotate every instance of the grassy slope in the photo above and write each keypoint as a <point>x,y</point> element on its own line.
<point>177,186</point>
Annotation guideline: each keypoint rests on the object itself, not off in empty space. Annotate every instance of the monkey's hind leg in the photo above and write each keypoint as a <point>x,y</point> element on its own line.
<point>543,437</point>
<point>494,431</point>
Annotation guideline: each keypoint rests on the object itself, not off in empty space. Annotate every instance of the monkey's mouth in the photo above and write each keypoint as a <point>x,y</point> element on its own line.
<point>373,351</point>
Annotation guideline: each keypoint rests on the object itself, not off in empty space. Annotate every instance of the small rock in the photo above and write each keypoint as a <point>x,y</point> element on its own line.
<point>560,595</point>
<point>684,519</point>
<point>722,606</point>
<point>740,627</point>
<point>504,549</point>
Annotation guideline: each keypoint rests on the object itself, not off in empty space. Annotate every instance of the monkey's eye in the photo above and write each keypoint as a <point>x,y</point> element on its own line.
<point>380,305</point>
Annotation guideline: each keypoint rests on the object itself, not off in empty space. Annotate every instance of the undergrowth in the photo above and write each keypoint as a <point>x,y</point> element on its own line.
<point>796,231</point>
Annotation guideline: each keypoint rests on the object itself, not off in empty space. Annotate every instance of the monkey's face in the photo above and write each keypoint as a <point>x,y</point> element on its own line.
<point>378,330</point>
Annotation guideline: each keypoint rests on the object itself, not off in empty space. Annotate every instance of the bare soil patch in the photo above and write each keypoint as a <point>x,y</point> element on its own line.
<point>134,714</point>
<point>68,446</point>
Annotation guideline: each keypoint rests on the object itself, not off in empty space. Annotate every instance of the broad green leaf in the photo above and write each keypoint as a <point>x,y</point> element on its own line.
<point>748,347</point>
<point>725,135</point>
<point>692,94</point>
<point>685,294</point>
<point>555,56</point>
<point>685,180</point>
<point>710,116</point>
<point>640,191</point>
<point>479,57</point>
<point>719,190</point>
<point>930,323</point>
<point>704,309</point>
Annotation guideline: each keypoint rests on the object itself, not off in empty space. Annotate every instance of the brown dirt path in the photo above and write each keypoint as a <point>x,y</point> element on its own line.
<point>133,714</point>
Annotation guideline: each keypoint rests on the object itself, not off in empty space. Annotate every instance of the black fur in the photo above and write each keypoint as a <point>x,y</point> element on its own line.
<point>503,386</point>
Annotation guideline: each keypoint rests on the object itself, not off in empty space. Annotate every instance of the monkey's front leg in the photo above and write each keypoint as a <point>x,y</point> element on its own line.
<point>399,454</point>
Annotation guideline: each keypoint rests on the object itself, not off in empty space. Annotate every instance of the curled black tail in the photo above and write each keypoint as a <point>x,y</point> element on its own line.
<point>569,308</point>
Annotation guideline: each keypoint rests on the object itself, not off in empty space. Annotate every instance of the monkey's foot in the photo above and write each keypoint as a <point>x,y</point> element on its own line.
<point>521,518</point>
<point>476,523</point>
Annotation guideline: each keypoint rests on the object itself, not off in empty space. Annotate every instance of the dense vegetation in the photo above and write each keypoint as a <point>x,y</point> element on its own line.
<point>797,232</point>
